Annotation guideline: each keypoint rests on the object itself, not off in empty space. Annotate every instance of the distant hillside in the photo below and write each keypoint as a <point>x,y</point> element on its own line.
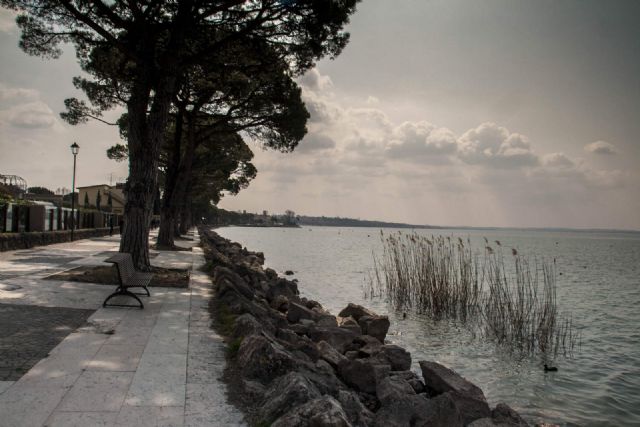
<point>351,222</point>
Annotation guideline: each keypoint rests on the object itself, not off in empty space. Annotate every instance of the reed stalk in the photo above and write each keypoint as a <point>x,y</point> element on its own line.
<point>514,305</point>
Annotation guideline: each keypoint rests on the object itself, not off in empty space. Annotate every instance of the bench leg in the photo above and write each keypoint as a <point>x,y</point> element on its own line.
<point>124,292</point>
<point>145,293</point>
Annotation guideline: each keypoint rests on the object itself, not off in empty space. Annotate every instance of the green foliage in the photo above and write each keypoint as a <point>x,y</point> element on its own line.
<point>42,191</point>
<point>86,201</point>
<point>118,152</point>
<point>233,347</point>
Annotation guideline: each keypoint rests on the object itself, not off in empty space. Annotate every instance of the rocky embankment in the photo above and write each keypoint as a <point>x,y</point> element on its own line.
<point>295,364</point>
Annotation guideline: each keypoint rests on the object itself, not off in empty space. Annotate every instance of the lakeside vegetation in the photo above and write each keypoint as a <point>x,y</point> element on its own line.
<point>510,299</point>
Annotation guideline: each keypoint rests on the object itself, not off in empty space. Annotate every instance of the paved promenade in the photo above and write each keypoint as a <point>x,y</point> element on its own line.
<point>125,367</point>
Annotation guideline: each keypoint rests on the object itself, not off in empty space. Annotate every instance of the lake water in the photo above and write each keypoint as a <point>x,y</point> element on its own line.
<point>598,282</point>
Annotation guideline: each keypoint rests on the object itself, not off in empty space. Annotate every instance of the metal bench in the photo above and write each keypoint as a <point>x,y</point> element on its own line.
<point>129,278</point>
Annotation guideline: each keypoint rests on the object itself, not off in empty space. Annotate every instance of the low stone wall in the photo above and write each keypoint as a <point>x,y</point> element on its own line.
<point>294,364</point>
<point>15,241</point>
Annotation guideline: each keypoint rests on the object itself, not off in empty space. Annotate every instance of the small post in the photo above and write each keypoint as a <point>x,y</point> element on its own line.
<point>74,150</point>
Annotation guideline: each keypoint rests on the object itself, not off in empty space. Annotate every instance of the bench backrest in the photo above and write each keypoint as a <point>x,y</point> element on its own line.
<point>126,268</point>
<point>125,265</point>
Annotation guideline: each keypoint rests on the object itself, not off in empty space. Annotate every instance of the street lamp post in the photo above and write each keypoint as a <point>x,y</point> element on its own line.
<point>74,150</point>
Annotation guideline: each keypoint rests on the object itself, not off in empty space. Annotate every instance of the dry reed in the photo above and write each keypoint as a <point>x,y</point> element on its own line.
<point>515,306</point>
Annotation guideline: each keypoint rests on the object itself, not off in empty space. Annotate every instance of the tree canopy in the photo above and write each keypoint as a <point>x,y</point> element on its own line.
<point>137,55</point>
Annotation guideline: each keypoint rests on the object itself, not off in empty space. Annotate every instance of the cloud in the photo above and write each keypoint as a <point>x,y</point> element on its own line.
<point>557,160</point>
<point>315,142</point>
<point>601,147</point>
<point>493,145</point>
<point>417,140</point>
<point>32,115</point>
<point>315,82</point>
<point>12,95</point>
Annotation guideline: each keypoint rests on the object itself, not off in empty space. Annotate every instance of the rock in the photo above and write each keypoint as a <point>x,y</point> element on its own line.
<point>253,389</point>
<point>339,338</point>
<point>324,411</point>
<point>323,377</point>
<point>418,411</point>
<point>297,312</point>
<point>357,413</point>
<point>282,287</point>
<point>287,335</point>
<point>504,416</point>
<point>288,273</point>
<point>482,422</point>
<point>367,345</point>
<point>353,328</point>
<point>468,397</point>
<point>397,357</point>
<point>246,325</point>
<point>327,320</point>
<point>376,326</point>
<point>280,303</point>
<point>346,321</point>
<point>308,323</point>
<point>390,389</point>
<point>355,311</point>
<point>224,274</point>
<point>363,375</point>
<point>330,354</point>
<point>352,355</point>
<point>299,328</point>
<point>285,394</point>
<point>263,360</point>
<point>271,273</point>
<point>417,385</point>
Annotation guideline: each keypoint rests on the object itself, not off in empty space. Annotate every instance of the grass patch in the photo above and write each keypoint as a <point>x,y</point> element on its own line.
<point>233,347</point>
<point>108,275</point>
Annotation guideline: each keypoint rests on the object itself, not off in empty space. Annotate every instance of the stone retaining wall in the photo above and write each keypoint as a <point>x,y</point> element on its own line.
<point>15,241</point>
<point>294,364</point>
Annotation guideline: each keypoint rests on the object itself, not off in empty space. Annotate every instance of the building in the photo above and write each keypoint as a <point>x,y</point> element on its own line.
<point>90,193</point>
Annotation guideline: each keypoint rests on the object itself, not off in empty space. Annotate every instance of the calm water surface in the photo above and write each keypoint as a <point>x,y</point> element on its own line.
<point>599,285</point>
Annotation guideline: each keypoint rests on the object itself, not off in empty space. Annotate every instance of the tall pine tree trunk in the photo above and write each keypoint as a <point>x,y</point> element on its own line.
<point>168,210</point>
<point>145,137</point>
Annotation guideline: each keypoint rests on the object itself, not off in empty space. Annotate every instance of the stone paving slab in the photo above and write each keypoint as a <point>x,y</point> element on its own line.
<point>29,333</point>
<point>160,366</point>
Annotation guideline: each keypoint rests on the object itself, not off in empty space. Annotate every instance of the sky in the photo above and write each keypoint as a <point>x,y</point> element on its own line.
<point>502,113</point>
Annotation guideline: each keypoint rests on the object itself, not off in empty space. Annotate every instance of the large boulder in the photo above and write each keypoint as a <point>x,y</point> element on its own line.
<point>263,360</point>
<point>324,411</point>
<point>339,338</point>
<point>323,376</point>
<point>357,413</point>
<point>356,311</point>
<point>282,287</point>
<point>367,345</point>
<point>326,319</point>
<point>504,416</point>
<point>330,354</point>
<point>349,323</point>
<point>246,325</point>
<point>286,393</point>
<point>468,397</point>
<point>376,326</point>
<point>297,312</point>
<point>397,357</point>
<point>394,388</point>
<point>419,411</point>
<point>280,303</point>
<point>225,276</point>
<point>362,374</point>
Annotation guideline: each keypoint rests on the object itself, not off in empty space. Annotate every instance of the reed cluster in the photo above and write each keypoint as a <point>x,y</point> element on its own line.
<point>511,302</point>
